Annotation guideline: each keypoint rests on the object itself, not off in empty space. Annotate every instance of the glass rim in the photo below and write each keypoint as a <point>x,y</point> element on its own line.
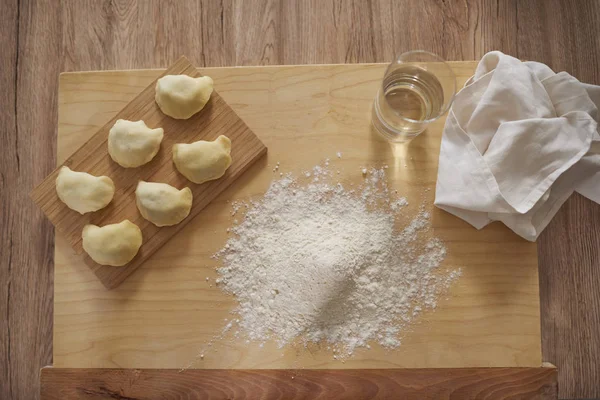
<point>451,100</point>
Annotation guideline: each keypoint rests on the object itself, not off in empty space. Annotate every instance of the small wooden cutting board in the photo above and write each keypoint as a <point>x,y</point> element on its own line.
<point>217,118</point>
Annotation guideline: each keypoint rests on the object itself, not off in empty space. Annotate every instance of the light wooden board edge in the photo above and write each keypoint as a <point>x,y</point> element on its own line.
<point>454,64</point>
<point>44,195</point>
<point>407,384</point>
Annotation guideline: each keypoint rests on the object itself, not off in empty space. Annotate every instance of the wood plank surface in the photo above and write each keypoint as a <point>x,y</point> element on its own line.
<point>373,384</point>
<point>43,38</point>
<point>216,118</point>
<point>28,117</point>
<point>166,314</point>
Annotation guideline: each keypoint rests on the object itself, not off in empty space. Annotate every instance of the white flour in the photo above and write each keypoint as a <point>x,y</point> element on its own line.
<point>319,262</point>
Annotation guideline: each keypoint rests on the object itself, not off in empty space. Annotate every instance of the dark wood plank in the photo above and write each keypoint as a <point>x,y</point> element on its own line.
<point>8,103</point>
<point>406,384</point>
<point>52,36</point>
<point>569,258</point>
<point>29,32</point>
<point>563,34</point>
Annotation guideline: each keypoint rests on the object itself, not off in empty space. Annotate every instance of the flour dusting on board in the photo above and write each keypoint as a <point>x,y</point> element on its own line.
<point>316,261</point>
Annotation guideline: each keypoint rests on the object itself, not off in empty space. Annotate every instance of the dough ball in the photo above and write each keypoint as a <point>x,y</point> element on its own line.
<point>131,144</point>
<point>162,204</point>
<point>203,161</point>
<point>181,96</point>
<point>114,244</point>
<point>83,192</point>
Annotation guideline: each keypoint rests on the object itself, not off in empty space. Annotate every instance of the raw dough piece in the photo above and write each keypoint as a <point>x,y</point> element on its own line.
<point>162,204</point>
<point>83,192</point>
<point>181,96</point>
<point>131,144</point>
<point>114,244</point>
<point>203,161</point>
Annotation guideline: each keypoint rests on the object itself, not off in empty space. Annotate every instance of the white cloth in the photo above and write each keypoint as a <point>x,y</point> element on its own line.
<point>518,140</point>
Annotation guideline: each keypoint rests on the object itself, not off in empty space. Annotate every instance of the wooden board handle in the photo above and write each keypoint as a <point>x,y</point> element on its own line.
<point>407,384</point>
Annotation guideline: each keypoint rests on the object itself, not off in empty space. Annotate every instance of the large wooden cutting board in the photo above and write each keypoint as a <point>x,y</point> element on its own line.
<point>216,118</point>
<point>165,313</point>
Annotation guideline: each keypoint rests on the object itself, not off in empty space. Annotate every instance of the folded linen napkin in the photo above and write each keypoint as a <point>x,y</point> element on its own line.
<point>518,140</point>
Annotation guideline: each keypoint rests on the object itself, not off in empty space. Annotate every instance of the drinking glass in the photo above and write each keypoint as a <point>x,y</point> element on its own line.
<point>417,88</point>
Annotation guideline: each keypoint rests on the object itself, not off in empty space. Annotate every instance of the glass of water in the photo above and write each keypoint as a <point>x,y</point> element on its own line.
<point>417,88</point>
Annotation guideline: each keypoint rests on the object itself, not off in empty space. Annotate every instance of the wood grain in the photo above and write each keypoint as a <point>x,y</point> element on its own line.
<point>8,124</point>
<point>569,248</point>
<point>216,118</point>
<point>166,313</point>
<point>43,38</point>
<point>405,384</point>
<point>29,82</point>
<point>573,299</point>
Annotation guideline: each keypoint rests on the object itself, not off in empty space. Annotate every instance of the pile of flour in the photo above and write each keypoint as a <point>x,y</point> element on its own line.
<point>315,261</point>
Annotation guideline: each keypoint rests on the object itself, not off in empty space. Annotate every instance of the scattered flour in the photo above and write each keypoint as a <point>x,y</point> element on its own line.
<point>401,202</point>
<point>317,262</point>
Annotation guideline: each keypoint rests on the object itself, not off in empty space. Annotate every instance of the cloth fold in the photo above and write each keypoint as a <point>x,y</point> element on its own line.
<point>518,140</point>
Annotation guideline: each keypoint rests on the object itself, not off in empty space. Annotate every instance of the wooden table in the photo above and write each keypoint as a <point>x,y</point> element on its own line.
<point>40,39</point>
